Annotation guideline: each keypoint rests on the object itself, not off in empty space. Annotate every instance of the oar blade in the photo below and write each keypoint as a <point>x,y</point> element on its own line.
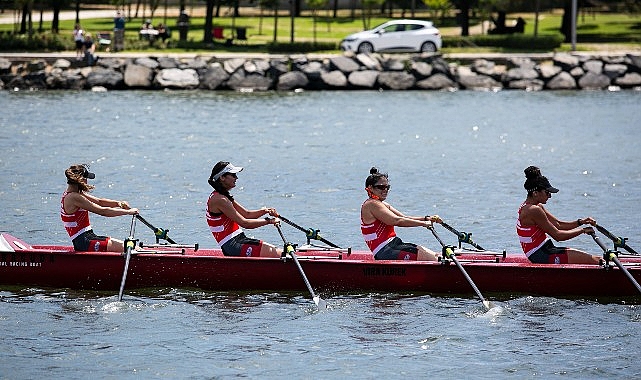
<point>320,303</point>
<point>488,305</point>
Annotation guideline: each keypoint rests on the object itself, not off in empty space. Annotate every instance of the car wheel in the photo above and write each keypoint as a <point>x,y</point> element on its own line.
<point>365,48</point>
<point>428,47</point>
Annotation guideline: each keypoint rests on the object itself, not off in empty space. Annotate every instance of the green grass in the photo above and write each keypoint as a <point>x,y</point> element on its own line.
<point>591,29</point>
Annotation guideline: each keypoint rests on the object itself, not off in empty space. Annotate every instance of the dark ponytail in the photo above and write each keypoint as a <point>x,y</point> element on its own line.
<point>216,184</point>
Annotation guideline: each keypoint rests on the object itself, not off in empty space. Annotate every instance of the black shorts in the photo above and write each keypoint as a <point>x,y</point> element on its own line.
<point>89,241</point>
<point>397,250</point>
<point>549,254</point>
<point>79,44</point>
<point>241,245</point>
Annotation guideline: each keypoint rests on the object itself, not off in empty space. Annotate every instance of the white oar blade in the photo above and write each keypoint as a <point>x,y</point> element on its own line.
<point>488,305</point>
<point>320,303</point>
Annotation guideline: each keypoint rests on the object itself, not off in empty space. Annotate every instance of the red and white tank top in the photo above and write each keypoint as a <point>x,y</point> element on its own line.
<point>222,227</point>
<point>377,234</point>
<point>75,223</point>
<point>531,237</point>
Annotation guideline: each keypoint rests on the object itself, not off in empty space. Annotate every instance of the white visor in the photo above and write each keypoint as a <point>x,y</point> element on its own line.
<point>227,169</point>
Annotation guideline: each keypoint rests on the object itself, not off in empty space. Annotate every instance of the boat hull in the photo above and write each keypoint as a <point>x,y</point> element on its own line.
<point>328,271</point>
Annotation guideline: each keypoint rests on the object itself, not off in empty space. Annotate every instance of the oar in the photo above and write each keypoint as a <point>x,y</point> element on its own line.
<point>289,249</point>
<point>309,232</point>
<point>159,232</point>
<point>618,241</point>
<point>447,251</point>
<point>610,255</point>
<point>130,244</point>
<point>463,237</point>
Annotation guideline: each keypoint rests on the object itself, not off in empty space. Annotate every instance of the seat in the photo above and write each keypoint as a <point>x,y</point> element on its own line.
<point>103,40</point>
<point>241,34</point>
<point>217,33</point>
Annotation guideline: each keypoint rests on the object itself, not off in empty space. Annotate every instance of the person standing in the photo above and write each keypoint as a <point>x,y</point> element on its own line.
<point>225,216</point>
<point>119,32</point>
<point>535,223</point>
<point>77,203</point>
<point>378,219</point>
<point>90,49</point>
<point>79,40</point>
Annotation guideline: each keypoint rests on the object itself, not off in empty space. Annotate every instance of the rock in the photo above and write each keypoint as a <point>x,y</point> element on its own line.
<point>548,71</point>
<point>483,66</point>
<point>167,63</point>
<point>147,62</point>
<point>475,81</point>
<point>396,80</point>
<point>138,76</point>
<point>370,62</point>
<point>634,61</point>
<point>334,79</point>
<point>593,66</point>
<point>577,72</point>
<point>5,66</point>
<point>437,82</point>
<point>614,70</point>
<point>629,80</point>
<point>239,81</point>
<point>278,67</point>
<point>344,64</point>
<point>563,81</point>
<point>112,63</point>
<point>566,61</point>
<point>524,63</point>
<point>291,81</point>
<point>62,63</point>
<point>214,77</point>
<point>421,70</point>
<point>520,73</point>
<point>104,77</point>
<point>393,64</point>
<point>177,78</point>
<point>313,70</point>
<point>195,64</point>
<point>594,81</point>
<point>527,84</point>
<point>231,65</point>
<point>363,79</point>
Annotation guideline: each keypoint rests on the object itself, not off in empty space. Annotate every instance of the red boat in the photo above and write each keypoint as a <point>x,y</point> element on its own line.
<point>329,271</point>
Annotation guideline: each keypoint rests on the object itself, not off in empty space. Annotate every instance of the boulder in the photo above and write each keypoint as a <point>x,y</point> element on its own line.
<point>566,61</point>
<point>614,70</point>
<point>334,79</point>
<point>473,81</point>
<point>363,79</point>
<point>594,81</point>
<point>104,77</point>
<point>214,77</point>
<point>146,62</point>
<point>396,80</point>
<point>231,65</point>
<point>344,64</point>
<point>593,66</point>
<point>138,76</point>
<point>629,80</point>
<point>563,81</point>
<point>548,71</point>
<point>240,81</point>
<point>5,66</point>
<point>368,61</point>
<point>167,63</point>
<point>526,84</point>
<point>437,82</point>
<point>421,70</point>
<point>291,81</point>
<point>177,78</point>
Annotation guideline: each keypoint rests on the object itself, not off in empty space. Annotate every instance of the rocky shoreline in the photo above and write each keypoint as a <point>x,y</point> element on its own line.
<point>559,71</point>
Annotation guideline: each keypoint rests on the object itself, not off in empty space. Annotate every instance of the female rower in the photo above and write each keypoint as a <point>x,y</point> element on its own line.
<point>75,206</point>
<point>535,223</point>
<point>378,219</point>
<point>225,216</point>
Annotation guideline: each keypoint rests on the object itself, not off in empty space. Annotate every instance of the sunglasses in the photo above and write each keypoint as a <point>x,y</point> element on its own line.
<point>382,187</point>
<point>232,174</point>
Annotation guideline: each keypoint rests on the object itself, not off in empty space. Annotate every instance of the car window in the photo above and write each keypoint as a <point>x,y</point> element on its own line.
<point>415,27</point>
<point>393,28</point>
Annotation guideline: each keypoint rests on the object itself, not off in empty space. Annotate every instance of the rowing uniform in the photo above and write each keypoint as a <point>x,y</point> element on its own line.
<point>79,229</point>
<point>537,246</point>
<point>230,236</point>
<point>384,244</point>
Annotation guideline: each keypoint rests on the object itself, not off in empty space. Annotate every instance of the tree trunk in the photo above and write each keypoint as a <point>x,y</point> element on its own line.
<point>209,21</point>
<point>465,18</point>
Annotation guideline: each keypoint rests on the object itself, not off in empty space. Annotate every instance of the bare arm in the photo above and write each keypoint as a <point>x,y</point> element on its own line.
<point>236,212</point>
<point>552,226</point>
<point>86,201</point>
<point>391,216</point>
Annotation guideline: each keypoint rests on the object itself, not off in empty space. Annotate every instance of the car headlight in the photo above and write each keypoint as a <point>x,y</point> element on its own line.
<point>349,39</point>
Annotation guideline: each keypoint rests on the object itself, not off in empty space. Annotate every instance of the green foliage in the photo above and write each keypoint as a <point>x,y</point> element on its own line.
<point>300,47</point>
<point>522,42</point>
<point>38,42</point>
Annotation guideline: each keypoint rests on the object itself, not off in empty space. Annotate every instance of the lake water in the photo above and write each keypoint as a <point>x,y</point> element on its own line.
<point>460,155</point>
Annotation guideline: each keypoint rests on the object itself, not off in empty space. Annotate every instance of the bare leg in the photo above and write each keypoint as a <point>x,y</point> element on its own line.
<point>425,254</point>
<point>579,257</point>
<point>115,245</point>
<point>268,250</point>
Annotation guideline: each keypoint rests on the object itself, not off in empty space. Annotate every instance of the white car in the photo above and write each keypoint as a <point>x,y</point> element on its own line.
<point>395,36</point>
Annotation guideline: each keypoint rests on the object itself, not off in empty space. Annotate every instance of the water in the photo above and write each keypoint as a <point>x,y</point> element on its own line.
<point>460,155</point>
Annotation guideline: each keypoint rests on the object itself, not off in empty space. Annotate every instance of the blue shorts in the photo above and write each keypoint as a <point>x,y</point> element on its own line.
<point>89,241</point>
<point>241,245</point>
<point>397,250</point>
<point>549,254</point>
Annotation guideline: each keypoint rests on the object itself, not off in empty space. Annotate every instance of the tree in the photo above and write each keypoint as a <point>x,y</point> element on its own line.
<point>315,5</point>
<point>438,8</point>
<point>209,21</point>
<point>368,6</point>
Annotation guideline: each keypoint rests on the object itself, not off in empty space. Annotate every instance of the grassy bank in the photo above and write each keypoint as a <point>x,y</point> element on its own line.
<point>600,29</point>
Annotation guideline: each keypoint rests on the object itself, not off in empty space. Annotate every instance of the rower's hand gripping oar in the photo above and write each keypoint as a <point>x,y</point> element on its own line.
<point>159,232</point>
<point>619,242</point>
<point>290,250</point>
<point>463,237</point>
<point>612,255</point>
<point>448,252</point>
<point>309,232</point>
<point>130,245</point>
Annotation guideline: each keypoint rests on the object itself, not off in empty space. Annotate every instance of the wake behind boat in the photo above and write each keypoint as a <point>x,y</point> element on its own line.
<point>329,270</point>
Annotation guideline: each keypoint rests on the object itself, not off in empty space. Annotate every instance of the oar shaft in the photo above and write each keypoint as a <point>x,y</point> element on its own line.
<point>462,237</point>
<point>319,238</point>
<point>613,257</point>
<point>153,228</point>
<point>130,244</point>
<point>620,242</point>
